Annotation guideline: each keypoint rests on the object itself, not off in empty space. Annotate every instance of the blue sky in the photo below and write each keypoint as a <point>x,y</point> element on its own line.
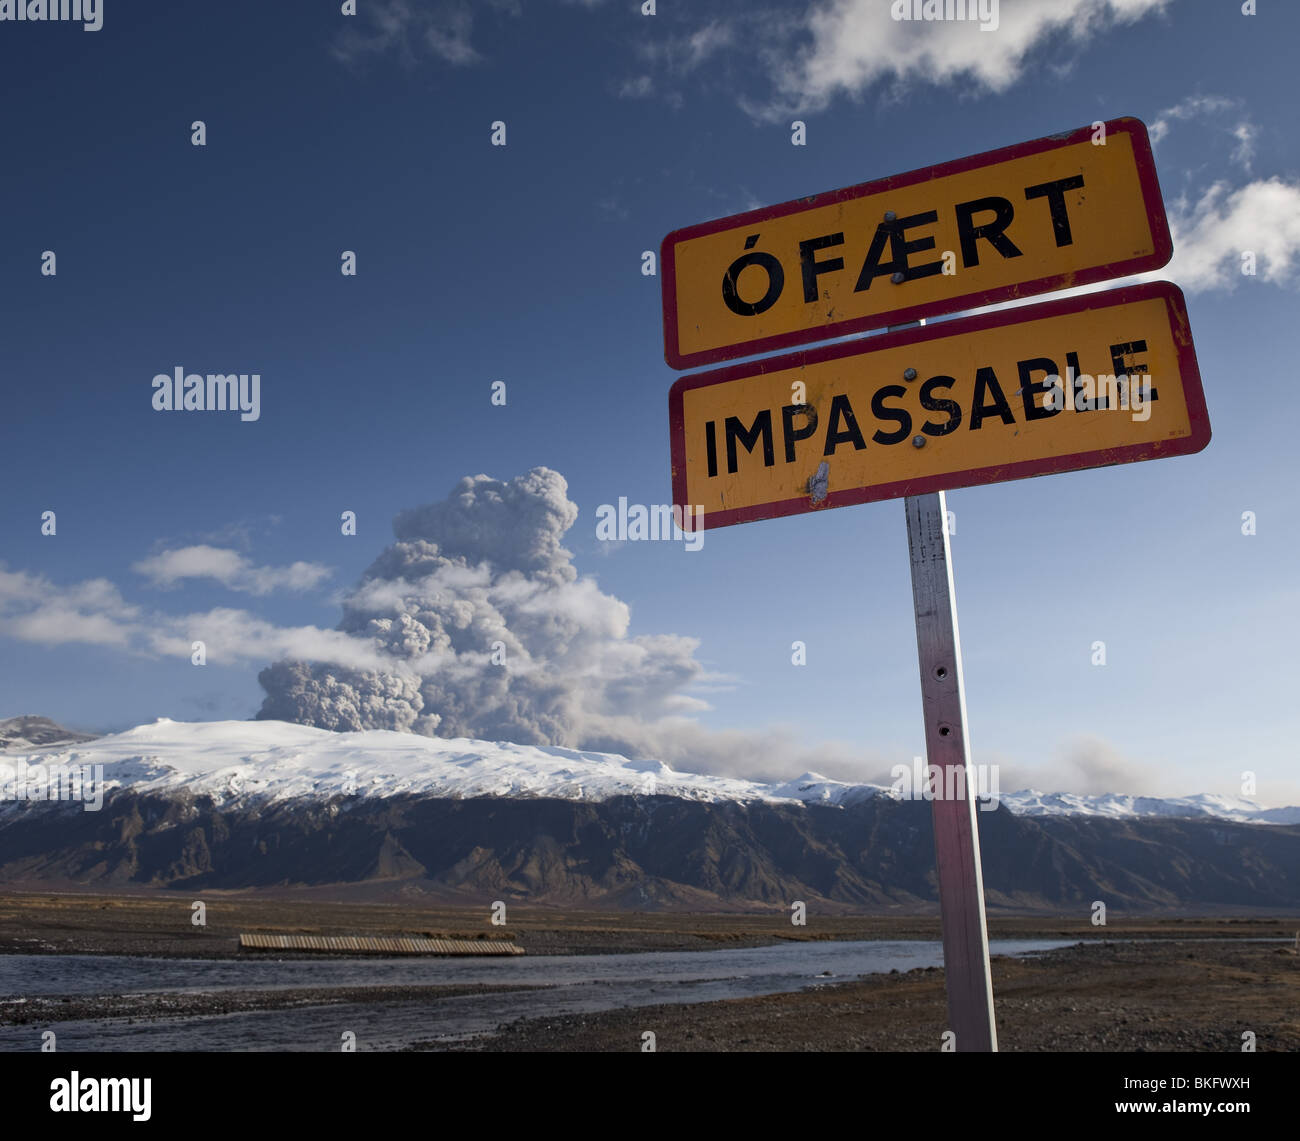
<point>522,264</point>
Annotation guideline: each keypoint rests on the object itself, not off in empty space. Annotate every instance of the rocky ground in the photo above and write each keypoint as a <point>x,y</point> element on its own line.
<point>161,923</point>
<point>40,1010</point>
<point>1092,997</point>
<point>1154,983</point>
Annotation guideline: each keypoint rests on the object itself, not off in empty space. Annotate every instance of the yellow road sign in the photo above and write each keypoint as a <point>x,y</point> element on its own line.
<point>1067,210</point>
<point>1084,382</point>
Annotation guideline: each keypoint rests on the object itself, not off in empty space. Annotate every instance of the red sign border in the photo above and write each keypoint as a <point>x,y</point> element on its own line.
<point>1193,394</point>
<point>1151,196</point>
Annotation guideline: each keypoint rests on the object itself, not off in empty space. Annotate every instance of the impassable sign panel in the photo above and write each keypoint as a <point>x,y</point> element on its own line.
<point>1105,378</point>
<point>1067,210</point>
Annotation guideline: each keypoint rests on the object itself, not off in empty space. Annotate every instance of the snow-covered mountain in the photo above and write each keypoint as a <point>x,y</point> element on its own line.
<point>20,734</point>
<point>242,763</point>
<point>1238,809</point>
<point>262,804</point>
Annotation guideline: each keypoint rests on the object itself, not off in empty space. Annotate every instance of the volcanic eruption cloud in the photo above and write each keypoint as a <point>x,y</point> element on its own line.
<point>492,634</point>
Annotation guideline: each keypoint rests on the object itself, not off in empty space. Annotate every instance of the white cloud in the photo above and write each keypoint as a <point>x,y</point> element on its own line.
<point>409,29</point>
<point>680,54</point>
<point>35,610</point>
<point>638,87</point>
<point>856,44</point>
<point>230,568</point>
<point>1244,151</point>
<point>700,45</point>
<point>1194,107</point>
<point>1210,236</point>
<point>233,637</point>
<point>93,612</point>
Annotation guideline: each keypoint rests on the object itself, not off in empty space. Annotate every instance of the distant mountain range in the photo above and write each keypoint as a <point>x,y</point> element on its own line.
<point>245,763</point>
<point>239,804</point>
<point>18,734</point>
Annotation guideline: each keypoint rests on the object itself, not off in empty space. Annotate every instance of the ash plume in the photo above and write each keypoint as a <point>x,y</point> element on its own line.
<point>491,634</point>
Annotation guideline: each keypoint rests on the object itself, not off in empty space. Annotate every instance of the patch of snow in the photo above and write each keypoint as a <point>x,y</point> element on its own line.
<point>256,762</point>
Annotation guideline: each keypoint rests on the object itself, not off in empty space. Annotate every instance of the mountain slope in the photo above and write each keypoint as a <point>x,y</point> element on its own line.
<point>20,734</point>
<point>645,852</point>
<point>231,805</point>
<point>241,763</point>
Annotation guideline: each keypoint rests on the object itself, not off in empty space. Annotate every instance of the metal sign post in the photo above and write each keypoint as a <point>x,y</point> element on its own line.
<point>956,835</point>
<point>966,969</point>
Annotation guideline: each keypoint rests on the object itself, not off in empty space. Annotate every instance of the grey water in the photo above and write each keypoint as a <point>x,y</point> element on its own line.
<point>569,984</point>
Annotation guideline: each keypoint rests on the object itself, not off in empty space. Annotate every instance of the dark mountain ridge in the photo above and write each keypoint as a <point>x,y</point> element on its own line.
<point>646,852</point>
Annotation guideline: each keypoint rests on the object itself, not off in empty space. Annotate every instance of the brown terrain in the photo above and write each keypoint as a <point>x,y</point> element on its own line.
<point>1154,983</point>
<point>1096,996</point>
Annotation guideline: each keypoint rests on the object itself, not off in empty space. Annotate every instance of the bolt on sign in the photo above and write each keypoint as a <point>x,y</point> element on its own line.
<point>1067,210</point>
<point>1106,378</point>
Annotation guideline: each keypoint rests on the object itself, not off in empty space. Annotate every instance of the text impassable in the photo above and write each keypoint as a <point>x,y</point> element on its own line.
<point>1085,382</point>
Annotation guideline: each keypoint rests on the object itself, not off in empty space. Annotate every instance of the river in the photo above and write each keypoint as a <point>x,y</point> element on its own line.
<point>569,984</point>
